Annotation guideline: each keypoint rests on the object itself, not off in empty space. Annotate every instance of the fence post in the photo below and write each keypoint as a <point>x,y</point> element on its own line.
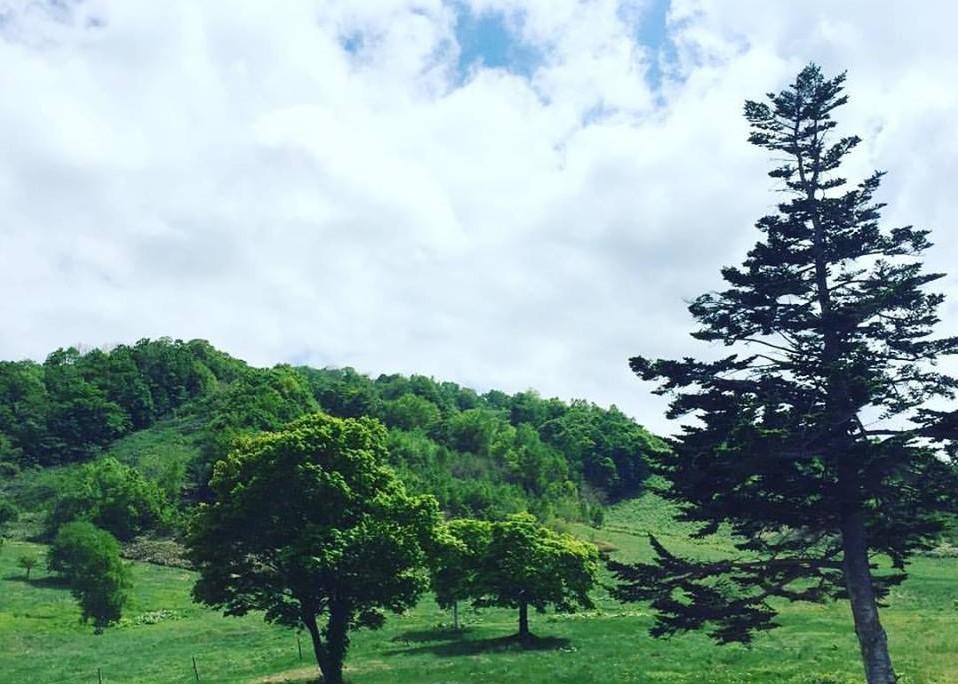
<point>99,676</point>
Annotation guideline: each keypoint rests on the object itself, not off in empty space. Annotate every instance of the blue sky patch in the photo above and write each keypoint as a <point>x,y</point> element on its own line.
<point>652,33</point>
<point>491,40</point>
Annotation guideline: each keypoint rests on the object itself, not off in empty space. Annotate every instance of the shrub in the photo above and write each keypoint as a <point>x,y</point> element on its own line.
<point>112,496</point>
<point>88,558</point>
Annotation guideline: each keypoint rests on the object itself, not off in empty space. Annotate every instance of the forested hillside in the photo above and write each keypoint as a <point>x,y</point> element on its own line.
<point>137,428</point>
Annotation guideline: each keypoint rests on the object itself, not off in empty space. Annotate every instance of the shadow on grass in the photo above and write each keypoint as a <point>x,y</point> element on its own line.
<point>45,582</point>
<point>453,646</point>
<point>419,636</point>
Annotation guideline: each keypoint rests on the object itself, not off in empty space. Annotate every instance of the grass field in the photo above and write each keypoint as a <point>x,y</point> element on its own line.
<point>41,640</point>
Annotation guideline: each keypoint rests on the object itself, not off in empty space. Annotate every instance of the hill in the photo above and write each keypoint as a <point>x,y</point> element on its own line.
<point>169,409</point>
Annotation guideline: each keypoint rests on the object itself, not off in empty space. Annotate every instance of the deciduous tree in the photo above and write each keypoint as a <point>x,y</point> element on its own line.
<point>88,558</point>
<point>527,565</point>
<point>455,561</point>
<point>309,525</point>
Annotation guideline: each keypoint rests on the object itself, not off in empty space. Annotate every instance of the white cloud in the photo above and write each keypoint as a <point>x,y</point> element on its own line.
<point>228,170</point>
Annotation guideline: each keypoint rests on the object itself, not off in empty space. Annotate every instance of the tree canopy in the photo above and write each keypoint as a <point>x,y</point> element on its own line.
<point>527,565</point>
<point>309,525</point>
<point>88,558</point>
<point>112,496</point>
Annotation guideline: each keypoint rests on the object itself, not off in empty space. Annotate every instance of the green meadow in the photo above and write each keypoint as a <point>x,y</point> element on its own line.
<point>43,642</point>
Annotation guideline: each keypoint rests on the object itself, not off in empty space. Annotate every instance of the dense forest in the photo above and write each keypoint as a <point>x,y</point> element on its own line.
<point>483,456</point>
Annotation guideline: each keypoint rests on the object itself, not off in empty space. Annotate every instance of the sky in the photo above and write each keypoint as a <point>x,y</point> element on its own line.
<point>507,194</point>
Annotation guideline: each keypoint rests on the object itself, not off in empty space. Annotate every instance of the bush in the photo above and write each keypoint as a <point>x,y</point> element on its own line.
<point>112,496</point>
<point>27,563</point>
<point>88,558</point>
<point>8,512</point>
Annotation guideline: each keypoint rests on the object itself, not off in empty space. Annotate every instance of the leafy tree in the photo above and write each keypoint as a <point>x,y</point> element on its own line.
<point>343,542</point>
<point>88,558</point>
<point>410,412</point>
<point>80,418</point>
<point>117,375</point>
<point>608,446</point>
<point>255,401</point>
<point>816,447</point>
<point>526,564</point>
<point>8,511</point>
<point>344,392</point>
<point>23,410</point>
<point>473,430</point>
<point>112,496</point>
<point>27,563</point>
<point>176,371</point>
<point>455,561</point>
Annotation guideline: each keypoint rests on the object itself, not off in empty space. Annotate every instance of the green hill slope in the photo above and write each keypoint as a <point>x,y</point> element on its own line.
<point>170,409</point>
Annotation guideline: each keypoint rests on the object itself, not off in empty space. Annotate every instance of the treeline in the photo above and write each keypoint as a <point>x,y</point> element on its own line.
<point>71,406</point>
<point>484,456</point>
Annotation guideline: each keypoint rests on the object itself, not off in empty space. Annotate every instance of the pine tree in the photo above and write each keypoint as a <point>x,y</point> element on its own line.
<point>815,441</point>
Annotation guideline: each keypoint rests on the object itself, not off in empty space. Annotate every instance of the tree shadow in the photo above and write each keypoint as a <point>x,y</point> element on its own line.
<point>419,636</point>
<point>467,647</point>
<point>45,582</point>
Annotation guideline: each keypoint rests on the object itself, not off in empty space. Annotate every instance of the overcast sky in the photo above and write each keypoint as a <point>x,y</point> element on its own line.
<point>503,193</point>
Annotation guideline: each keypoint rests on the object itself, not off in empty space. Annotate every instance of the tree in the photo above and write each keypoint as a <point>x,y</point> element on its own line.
<point>817,446</point>
<point>8,511</point>
<point>80,419</point>
<point>88,558</point>
<point>27,563</point>
<point>308,523</point>
<point>112,496</point>
<point>455,562</point>
<point>526,564</point>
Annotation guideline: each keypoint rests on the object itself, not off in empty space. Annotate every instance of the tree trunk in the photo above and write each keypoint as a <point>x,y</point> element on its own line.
<point>523,621</point>
<point>861,594</point>
<point>331,668</point>
<point>337,641</point>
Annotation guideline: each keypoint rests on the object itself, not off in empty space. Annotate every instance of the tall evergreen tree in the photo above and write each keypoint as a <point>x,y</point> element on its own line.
<point>814,442</point>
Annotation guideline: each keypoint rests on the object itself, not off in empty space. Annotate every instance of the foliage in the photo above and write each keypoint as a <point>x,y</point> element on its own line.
<point>171,409</point>
<point>605,444</point>
<point>344,542</point>
<point>8,511</point>
<point>88,558</point>
<point>455,560</point>
<point>73,405</point>
<point>833,322</point>
<point>255,401</point>
<point>112,496</point>
<point>525,564</point>
<point>27,563</point>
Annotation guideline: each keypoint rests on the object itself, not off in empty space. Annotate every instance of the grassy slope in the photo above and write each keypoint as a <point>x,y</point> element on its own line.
<point>41,640</point>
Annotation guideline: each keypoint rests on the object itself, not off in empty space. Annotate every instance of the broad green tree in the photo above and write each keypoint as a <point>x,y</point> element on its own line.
<point>310,526</point>
<point>8,511</point>
<point>28,563</point>
<point>112,496</point>
<point>814,440</point>
<point>455,561</point>
<point>88,558</point>
<point>527,565</point>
